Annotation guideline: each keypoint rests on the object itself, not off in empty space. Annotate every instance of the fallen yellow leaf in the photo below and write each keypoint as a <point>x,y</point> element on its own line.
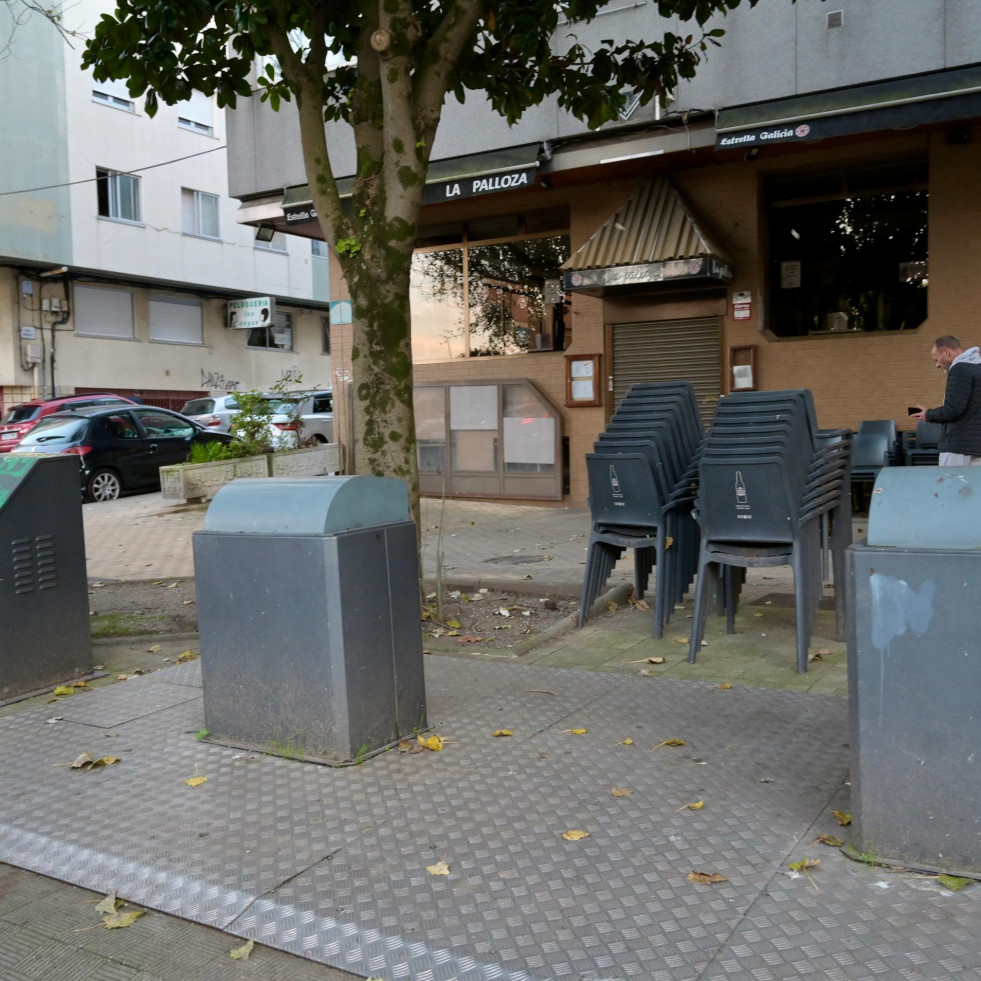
<point>186,656</point>
<point>454,624</point>
<point>612,606</point>
<point>833,840</point>
<point>433,742</point>
<point>842,818</point>
<point>655,660</point>
<point>668,742</point>
<point>502,732</point>
<point>154,648</point>
<point>579,732</point>
<point>726,686</point>
<point>242,953</point>
<point>620,792</point>
<point>117,920</point>
<point>696,806</point>
<point>680,640</point>
<point>627,742</point>
<point>804,864</point>
<point>63,690</point>
<point>757,614</point>
<point>195,781</point>
<point>706,878</point>
<point>575,835</point>
<point>440,868</point>
<point>109,904</point>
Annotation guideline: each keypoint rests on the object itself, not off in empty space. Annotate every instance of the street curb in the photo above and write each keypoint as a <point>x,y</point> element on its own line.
<point>618,594</point>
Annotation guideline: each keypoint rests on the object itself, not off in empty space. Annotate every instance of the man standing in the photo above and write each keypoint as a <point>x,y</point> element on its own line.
<point>960,445</point>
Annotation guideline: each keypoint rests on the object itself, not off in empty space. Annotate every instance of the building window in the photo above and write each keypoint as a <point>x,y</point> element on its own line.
<point>103,313</point>
<point>199,213</point>
<point>848,250</point>
<point>119,195</point>
<point>276,244</point>
<point>277,337</point>
<point>113,93</point>
<point>318,248</point>
<point>196,114</point>
<point>325,334</point>
<point>175,320</point>
<point>486,297</point>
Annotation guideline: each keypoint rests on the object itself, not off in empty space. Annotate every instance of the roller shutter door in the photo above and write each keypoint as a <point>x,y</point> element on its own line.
<point>669,350</point>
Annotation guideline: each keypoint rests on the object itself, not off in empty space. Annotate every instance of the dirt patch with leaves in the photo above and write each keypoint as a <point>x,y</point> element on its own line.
<point>129,609</point>
<point>489,620</point>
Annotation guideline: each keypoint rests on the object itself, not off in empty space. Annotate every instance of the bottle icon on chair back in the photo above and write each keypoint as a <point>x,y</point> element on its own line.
<point>740,488</point>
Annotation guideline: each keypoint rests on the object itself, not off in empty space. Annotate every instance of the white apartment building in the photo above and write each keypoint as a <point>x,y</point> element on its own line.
<point>119,245</point>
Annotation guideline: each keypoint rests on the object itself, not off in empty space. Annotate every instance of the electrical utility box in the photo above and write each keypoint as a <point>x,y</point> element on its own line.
<point>309,616</point>
<point>45,631</point>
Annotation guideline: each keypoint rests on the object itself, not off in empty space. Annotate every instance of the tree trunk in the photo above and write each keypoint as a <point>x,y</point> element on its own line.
<point>381,362</point>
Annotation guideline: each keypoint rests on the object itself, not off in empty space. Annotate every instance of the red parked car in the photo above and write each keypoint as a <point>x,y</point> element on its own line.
<point>21,419</point>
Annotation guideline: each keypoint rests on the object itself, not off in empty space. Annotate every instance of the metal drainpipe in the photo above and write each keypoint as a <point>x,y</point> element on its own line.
<point>55,324</point>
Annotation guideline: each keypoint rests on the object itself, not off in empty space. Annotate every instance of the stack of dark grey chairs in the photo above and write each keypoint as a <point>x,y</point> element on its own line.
<point>641,493</point>
<point>772,490</point>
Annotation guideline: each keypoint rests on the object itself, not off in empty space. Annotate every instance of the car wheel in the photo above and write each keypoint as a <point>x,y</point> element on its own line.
<point>103,485</point>
<point>319,438</point>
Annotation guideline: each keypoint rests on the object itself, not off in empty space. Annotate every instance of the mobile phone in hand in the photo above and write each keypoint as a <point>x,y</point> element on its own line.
<point>912,409</point>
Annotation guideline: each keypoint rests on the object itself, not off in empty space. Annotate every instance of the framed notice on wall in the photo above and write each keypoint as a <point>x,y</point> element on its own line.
<point>582,380</point>
<point>742,370</point>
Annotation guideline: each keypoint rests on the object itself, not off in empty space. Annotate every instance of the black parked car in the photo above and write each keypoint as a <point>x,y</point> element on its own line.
<point>122,448</point>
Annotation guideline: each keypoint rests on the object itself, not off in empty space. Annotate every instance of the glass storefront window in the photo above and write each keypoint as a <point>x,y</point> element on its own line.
<point>473,427</point>
<point>854,257</point>
<point>488,299</point>
<point>529,432</point>
<point>430,411</point>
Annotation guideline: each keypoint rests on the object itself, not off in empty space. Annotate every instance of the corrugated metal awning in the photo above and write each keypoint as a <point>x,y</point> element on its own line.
<point>653,238</point>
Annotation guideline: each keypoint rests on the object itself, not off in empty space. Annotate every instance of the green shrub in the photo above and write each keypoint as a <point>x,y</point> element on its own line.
<point>209,452</point>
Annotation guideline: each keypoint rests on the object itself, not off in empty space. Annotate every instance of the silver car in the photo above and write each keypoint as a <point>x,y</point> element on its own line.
<point>306,416</point>
<point>214,412</point>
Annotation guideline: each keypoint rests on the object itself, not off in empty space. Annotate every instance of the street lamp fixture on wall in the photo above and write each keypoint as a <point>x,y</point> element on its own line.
<point>264,233</point>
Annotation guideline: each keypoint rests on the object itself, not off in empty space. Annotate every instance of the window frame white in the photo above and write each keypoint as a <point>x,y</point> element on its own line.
<point>114,180</point>
<point>192,207</point>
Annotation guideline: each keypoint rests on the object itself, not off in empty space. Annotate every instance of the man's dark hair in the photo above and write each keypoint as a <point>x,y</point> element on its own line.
<point>948,341</point>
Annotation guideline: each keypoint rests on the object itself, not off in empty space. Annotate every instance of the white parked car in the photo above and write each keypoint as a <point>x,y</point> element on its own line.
<point>302,417</point>
<point>214,412</point>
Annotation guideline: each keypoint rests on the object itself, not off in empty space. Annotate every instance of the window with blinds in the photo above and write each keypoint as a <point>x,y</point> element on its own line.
<point>176,321</point>
<point>103,313</point>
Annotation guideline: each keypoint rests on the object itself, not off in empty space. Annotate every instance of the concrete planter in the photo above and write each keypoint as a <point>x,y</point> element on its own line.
<point>193,481</point>
<point>190,481</point>
<point>310,461</point>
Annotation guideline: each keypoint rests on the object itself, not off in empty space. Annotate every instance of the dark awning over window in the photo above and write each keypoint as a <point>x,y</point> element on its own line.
<point>895,104</point>
<point>507,169</point>
<point>653,239</point>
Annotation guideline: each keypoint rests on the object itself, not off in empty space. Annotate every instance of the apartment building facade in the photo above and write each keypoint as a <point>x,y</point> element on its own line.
<point>804,213</point>
<point>119,246</point>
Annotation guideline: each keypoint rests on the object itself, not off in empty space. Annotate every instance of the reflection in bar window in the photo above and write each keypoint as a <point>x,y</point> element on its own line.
<point>529,432</point>
<point>505,310</point>
<point>430,412</point>
<point>848,251</point>
<point>473,427</point>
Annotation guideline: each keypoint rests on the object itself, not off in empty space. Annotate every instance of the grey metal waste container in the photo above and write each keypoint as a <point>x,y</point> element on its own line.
<point>914,672</point>
<point>308,609</point>
<point>45,631</point>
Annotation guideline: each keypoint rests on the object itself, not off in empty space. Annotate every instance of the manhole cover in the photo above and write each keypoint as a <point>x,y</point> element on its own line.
<point>516,559</point>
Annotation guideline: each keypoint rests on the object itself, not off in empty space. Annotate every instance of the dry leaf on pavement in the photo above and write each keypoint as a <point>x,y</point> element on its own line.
<point>612,606</point>
<point>726,686</point>
<point>627,742</point>
<point>953,882</point>
<point>117,920</point>
<point>63,690</point>
<point>842,818</point>
<point>242,953</point>
<point>668,742</point>
<point>195,781</point>
<point>108,904</point>
<point>433,742</point>
<point>706,878</point>
<point>154,648</point>
<point>85,761</point>
<point>833,840</point>
<point>502,732</point>
<point>694,806</point>
<point>575,835</point>
<point>440,868</point>
<point>620,792</point>
<point>804,864</point>
<point>186,656</point>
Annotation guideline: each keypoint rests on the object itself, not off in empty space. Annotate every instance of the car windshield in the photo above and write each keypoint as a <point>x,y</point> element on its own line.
<point>198,407</point>
<point>281,407</point>
<point>21,413</point>
<point>55,429</point>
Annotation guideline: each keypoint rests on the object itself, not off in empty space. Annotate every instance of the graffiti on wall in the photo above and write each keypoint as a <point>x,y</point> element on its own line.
<point>215,380</point>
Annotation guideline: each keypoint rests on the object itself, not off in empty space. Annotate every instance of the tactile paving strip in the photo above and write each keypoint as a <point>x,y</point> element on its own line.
<point>331,863</point>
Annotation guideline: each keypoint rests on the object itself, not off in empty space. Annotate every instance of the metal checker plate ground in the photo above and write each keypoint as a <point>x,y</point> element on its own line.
<point>331,863</point>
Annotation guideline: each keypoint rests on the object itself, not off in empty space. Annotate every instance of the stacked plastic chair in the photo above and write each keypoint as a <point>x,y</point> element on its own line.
<point>772,490</point>
<point>641,494</point>
<point>922,448</point>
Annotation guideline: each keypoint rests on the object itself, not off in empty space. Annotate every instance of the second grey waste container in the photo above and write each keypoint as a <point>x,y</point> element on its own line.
<point>914,672</point>
<point>308,607</point>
